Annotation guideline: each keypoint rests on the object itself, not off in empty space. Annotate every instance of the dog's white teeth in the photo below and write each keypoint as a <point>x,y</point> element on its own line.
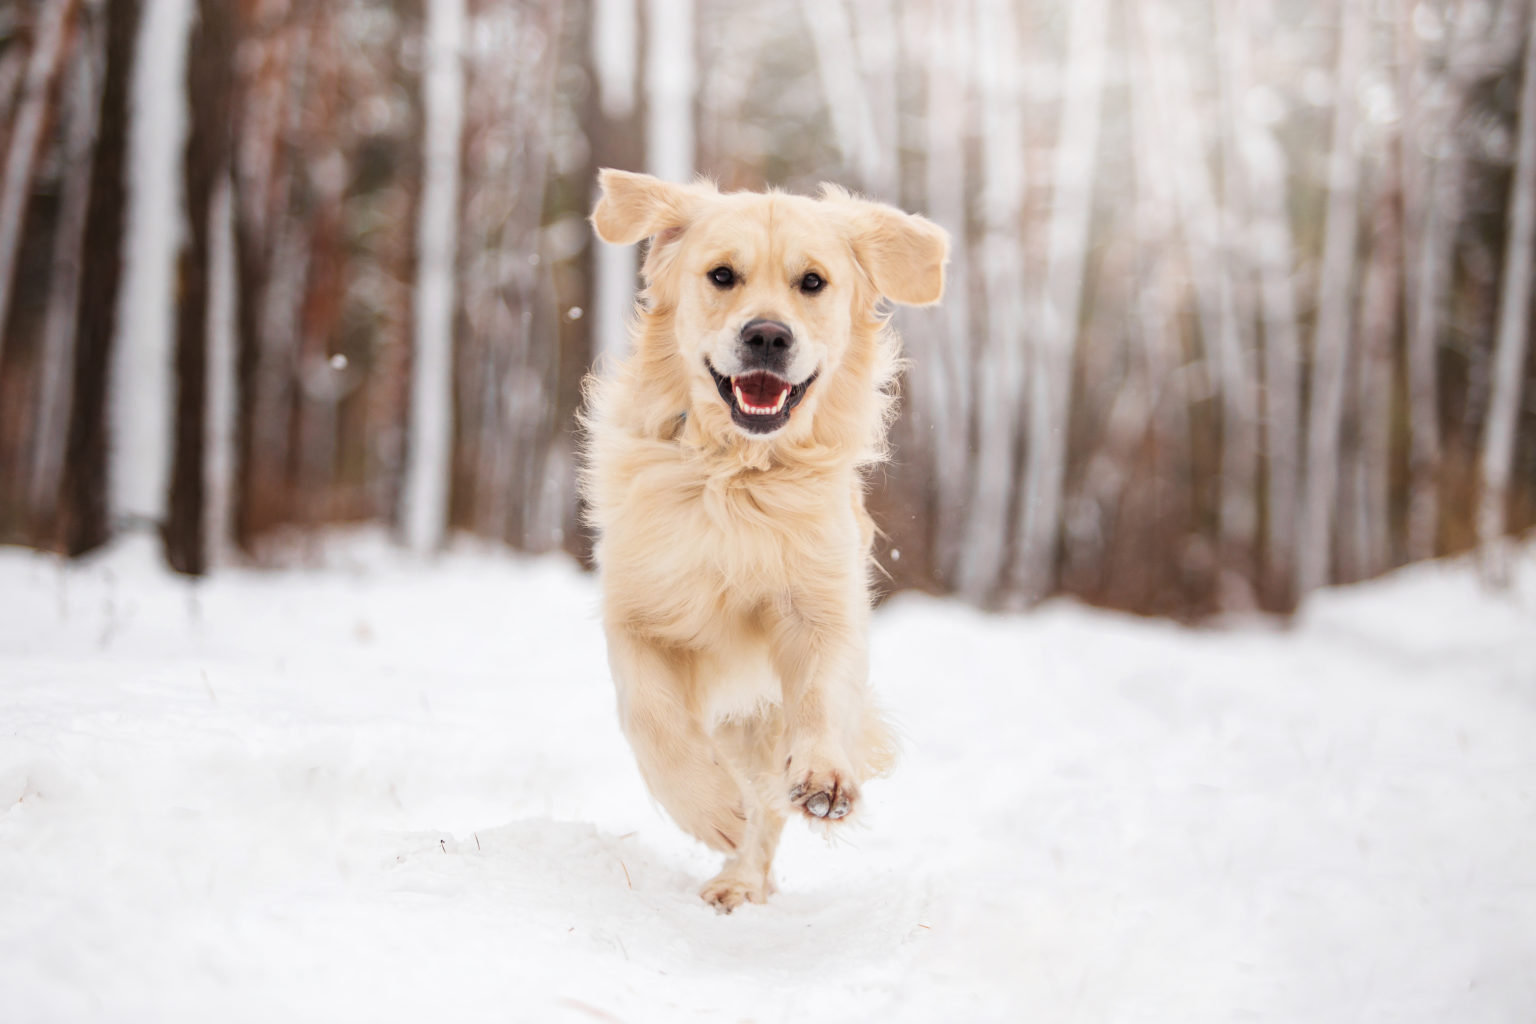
<point>758,410</point>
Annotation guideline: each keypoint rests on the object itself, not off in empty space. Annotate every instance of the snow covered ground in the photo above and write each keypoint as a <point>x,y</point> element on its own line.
<point>387,790</point>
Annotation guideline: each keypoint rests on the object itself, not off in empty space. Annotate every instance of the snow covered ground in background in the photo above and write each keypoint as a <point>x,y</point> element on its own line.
<point>385,790</point>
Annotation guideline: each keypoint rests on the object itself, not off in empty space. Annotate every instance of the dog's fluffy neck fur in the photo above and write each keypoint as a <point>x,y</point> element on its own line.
<point>855,402</point>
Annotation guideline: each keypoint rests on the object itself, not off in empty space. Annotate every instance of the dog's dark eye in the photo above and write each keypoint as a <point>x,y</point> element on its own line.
<point>723,277</point>
<point>812,283</point>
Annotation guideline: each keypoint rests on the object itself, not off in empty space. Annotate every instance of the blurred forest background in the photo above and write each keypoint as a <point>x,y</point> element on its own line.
<point>1240,298</point>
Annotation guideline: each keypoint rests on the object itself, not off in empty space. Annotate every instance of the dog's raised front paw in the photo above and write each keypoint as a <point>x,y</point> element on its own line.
<point>825,793</point>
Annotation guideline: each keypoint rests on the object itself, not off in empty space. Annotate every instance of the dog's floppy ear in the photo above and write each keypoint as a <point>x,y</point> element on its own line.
<point>638,206</point>
<point>904,254</point>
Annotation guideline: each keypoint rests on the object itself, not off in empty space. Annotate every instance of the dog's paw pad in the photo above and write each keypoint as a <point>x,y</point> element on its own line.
<point>824,795</point>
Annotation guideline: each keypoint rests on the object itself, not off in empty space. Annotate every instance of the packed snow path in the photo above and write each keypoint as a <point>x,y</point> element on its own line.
<point>387,790</point>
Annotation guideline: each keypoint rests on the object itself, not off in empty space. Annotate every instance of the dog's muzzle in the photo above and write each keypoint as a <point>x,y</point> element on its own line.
<point>760,400</point>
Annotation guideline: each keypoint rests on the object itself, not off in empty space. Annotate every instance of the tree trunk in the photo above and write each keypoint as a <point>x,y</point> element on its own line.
<point>1513,340</point>
<point>1002,346</point>
<point>429,459</point>
<point>1331,337</point>
<point>1274,254</point>
<point>142,405</point>
<point>1211,281</point>
<point>1433,174</point>
<point>50,33</point>
<point>211,50</point>
<point>947,380</point>
<point>1040,511</point>
<point>670,76</point>
<point>1380,303</point>
<point>51,426</point>
<point>614,268</point>
<point>87,523</point>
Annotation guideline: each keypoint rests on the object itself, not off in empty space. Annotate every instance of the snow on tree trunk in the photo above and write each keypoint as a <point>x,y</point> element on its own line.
<point>428,472</point>
<point>669,86</point>
<point>1331,336</point>
<point>1066,266</point>
<point>24,141</point>
<point>60,322</point>
<point>1513,336</point>
<point>141,394</point>
<point>1001,351</point>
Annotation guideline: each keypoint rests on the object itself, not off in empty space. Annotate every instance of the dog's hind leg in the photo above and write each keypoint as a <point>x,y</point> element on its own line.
<point>748,873</point>
<point>681,765</point>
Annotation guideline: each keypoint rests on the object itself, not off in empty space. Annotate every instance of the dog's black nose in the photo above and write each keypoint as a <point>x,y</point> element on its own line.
<point>766,343</point>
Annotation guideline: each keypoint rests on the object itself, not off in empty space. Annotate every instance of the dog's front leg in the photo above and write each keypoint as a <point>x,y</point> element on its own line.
<point>679,762</point>
<point>819,650</point>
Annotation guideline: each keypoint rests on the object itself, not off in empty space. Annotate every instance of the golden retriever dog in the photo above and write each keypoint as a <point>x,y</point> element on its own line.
<point>724,480</point>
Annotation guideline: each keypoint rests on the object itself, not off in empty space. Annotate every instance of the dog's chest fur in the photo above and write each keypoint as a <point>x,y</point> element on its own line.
<point>722,547</point>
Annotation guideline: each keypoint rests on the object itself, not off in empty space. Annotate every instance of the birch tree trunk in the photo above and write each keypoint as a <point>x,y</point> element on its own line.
<point>1380,303</point>
<point>1432,187</point>
<point>947,373</point>
<point>1002,348</point>
<point>1156,309</point>
<point>428,462</point>
<point>142,402</point>
<point>615,63</point>
<point>1066,266</point>
<point>875,35</point>
<point>25,141</point>
<point>1274,253</point>
<point>1211,279</point>
<point>849,105</point>
<point>1513,335</point>
<point>669,84</point>
<point>1331,337</point>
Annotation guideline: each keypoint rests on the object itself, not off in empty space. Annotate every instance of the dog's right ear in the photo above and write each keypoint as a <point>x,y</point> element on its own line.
<point>637,206</point>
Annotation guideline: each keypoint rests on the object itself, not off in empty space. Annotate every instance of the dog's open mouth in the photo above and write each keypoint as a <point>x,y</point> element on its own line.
<point>760,401</point>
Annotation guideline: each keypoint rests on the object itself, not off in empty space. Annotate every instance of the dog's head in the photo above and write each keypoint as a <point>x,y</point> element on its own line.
<point>768,296</point>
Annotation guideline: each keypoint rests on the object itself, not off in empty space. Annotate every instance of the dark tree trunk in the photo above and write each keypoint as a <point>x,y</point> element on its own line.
<point>84,501</point>
<point>210,60</point>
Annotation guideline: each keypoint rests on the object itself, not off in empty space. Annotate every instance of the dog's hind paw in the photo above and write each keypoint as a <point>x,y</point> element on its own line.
<point>727,891</point>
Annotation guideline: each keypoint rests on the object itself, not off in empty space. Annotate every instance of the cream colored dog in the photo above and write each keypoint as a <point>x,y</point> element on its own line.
<point>724,480</point>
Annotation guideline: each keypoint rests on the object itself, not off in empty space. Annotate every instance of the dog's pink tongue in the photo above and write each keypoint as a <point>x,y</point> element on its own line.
<point>761,389</point>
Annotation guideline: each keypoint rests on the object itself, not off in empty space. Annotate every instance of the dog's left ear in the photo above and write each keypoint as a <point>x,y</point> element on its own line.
<point>637,206</point>
<point>903,253</point>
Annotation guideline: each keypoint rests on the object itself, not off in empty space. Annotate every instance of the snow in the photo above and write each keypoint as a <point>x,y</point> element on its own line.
<point>384,788</point>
